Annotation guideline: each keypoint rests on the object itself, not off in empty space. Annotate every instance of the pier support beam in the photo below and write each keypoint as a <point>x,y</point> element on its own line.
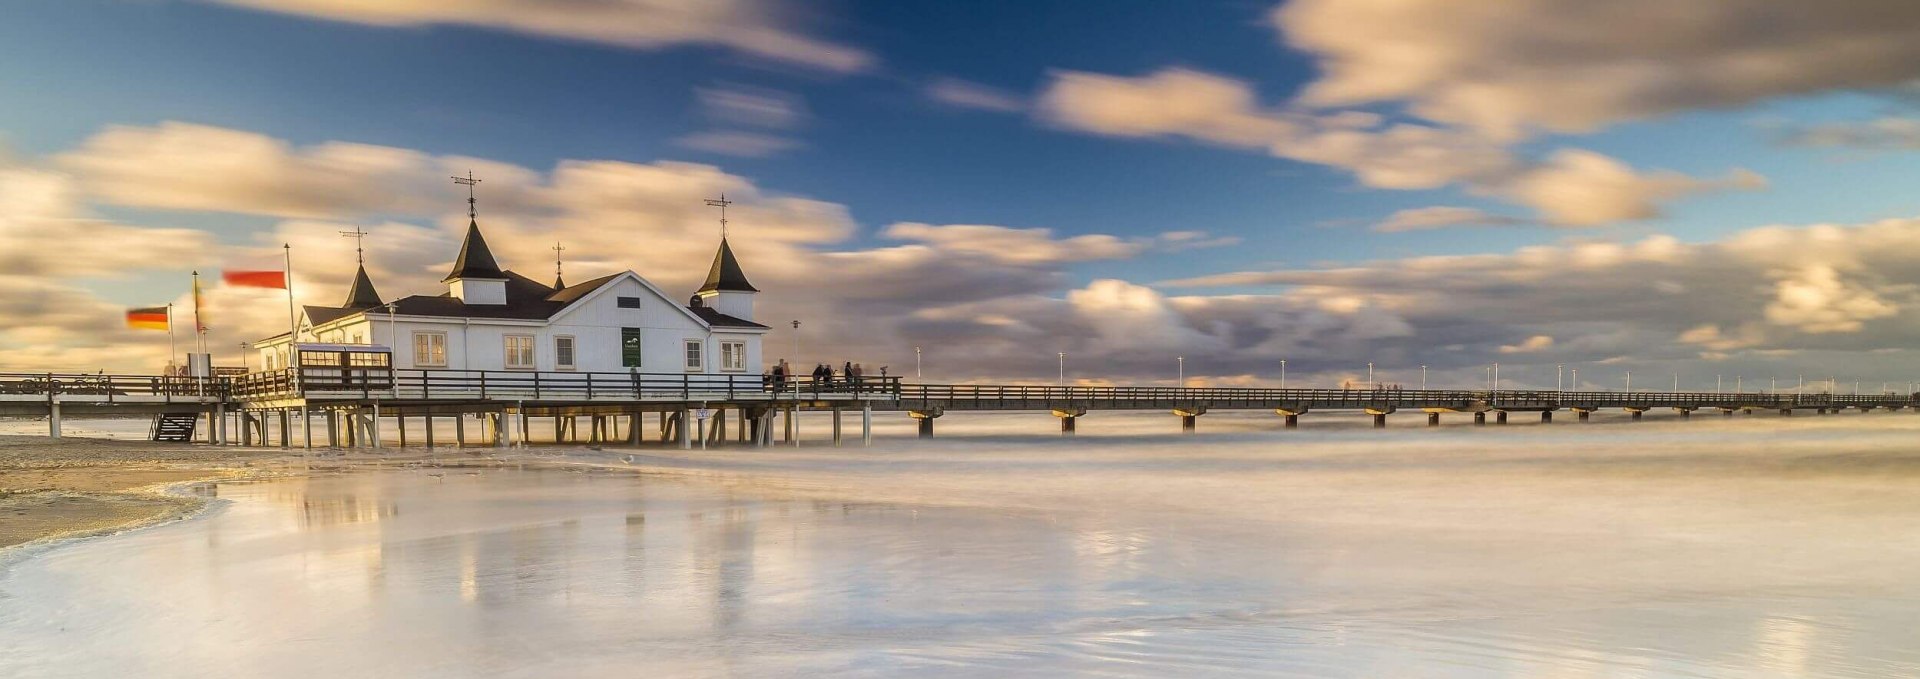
<point>333,428</point>
<point>1546,417</point>
<point>460,430</point>
<point>286,429</point>
<point>685,428</point>
<point>53,419</point>
<point>1500,417</point>
<point>1190,417</point>
<point>1380,416</point>
<point>866,423</point>
<point>1069,417</point>
<point>836,427</point>
<point>1685,413</point>
<point>1480,419</point>
<point>1636,413</point>
<point>1433,419</point>
<point>925,419</point>
<point>1292,416</point>
<point>1584,413</point>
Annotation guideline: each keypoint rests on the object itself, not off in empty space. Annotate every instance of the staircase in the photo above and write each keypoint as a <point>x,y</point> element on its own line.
<point>175,427</point>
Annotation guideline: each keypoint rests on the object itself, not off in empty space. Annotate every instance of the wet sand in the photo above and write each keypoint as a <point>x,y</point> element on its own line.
<point>75,486</point>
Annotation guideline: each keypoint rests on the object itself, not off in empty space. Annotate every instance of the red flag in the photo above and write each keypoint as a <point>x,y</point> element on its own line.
<point>255,279</point>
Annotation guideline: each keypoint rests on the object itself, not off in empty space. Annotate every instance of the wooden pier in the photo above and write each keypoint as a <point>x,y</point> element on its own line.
<point>352,402</point>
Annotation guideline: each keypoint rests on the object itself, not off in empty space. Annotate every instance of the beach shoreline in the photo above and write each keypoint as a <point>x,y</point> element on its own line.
<point>60,489</point>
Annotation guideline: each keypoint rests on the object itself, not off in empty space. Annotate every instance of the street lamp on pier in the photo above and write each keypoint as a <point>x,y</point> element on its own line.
<point>1182,360</point>
<point>1423,377</point>
<point>1370,383</point>
<point>1063,368</point>
<point>916,363</point>
<point>1283,374</point>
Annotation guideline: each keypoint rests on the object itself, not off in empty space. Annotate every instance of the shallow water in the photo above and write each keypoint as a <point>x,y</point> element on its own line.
<point>1754,549</point>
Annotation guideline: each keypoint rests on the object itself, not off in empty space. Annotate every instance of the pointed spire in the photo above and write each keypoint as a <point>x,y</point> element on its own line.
<point>725,275</point>
<point>362,295</point>
<point>475,260</point>
<point>559,280</point>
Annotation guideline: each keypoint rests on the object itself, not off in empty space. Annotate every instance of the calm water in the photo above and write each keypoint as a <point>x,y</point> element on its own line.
<point>1696,550</point>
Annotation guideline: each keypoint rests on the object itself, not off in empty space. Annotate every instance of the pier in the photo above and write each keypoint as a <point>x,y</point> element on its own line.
<point>356,405</point>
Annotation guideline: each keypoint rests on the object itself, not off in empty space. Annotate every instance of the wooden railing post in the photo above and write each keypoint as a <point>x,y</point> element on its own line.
<point>483,384</point>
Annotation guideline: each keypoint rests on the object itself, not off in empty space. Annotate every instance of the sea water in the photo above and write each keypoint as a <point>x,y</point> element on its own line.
<point>1760,547</point>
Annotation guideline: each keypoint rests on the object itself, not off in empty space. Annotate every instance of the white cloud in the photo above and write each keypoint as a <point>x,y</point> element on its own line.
<point>1039,247</point>
<point>1441,217</point>
<point>1508,68</point>
<point>752,106</point>
<point>751,27</point>
<point>1815,298</point>
<point>1571,187</point>
<point>964,94</point>
<point>1888,133</point>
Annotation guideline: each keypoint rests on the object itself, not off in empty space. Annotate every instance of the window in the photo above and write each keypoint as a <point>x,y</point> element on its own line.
<point>563,352</point>
<point>695,361</point>
<point>357,339</point>
<point>630,347</point>
<point>430,350</point>
<point>519,352</point>
<point>733,355</point>
<point>627,302</point>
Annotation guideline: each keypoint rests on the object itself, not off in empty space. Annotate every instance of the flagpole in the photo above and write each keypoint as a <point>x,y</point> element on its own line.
<point>199,328</point>
<point>173,350</point>
<point>293,318</point>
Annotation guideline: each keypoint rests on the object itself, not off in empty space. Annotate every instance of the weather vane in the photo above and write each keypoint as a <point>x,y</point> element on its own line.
<point>722,203</point>
<point>473,211</point>
<point>359,254</point>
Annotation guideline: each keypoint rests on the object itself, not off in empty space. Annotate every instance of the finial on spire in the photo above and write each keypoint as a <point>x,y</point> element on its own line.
<point>559,280</point>
<point>722,203</point>
<point>473,210</point>
<point>359,253</point>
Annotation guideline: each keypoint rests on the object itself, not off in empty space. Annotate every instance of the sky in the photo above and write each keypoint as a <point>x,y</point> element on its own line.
<point>1689,192</point>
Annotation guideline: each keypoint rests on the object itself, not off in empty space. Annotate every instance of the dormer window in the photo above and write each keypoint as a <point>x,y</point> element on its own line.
<point>627,302</point>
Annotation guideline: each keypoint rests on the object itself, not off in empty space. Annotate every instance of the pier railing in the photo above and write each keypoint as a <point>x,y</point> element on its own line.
<point>1028,395</point>
<point>337,382</point>
<point>111,388</point>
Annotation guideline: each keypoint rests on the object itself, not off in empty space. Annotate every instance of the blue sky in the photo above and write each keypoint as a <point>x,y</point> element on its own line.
<point>869,138</point>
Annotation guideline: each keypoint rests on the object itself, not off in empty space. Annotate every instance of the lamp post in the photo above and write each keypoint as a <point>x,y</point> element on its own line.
<point>1629,381</point>
<point>796,340</point>
<point>1423,377</point>
<point>1496,379</point>
<point>1370,383</point>
<point>1283,374</point>
<point>916,363</point>
<point>1739,383</point>
<point>1559,375</point>
<point>1063,368</point>
<point>1716,384</point>
<point>244,363</point>
<point>1576,379</point>
<point>1182,360</point>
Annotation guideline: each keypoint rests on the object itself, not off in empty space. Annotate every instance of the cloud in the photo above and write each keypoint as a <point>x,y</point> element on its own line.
<point>181,166</point>
<point>964,94</point>
<point>1582,188</point>
<point>751,27</point>
<point>1570,187</point>
<point>1039,247</point>
<point>1534,344</point>
<point>1576,66</point>
<point>752,106</point>
<point>1881,134</point>
<point>1441,217</point>
<point>1816,299</point>
<point>740,144</point>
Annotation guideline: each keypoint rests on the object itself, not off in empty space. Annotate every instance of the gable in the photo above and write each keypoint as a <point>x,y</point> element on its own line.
<point>599,306</point>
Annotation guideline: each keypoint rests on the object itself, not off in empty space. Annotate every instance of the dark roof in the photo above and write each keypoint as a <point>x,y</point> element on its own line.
<point>720,320</point>
<point>475,260</point>
<point>526,300</point>
<point>362,295</point>
<point>725,275</point>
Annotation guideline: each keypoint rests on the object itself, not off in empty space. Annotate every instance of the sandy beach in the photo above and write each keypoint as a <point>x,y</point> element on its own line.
<point>51,489</point>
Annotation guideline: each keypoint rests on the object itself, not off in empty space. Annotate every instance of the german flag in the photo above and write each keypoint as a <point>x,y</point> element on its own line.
<point>150,318</point>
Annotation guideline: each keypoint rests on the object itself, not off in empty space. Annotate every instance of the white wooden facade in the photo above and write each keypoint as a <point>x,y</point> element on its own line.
<point>594,328</point>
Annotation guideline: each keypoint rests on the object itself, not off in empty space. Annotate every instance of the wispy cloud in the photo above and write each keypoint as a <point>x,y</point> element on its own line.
<point>750,27</point>
<point>972,95</point>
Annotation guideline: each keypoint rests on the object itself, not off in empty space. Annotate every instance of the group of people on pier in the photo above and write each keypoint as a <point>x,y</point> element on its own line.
<point>823,375</point>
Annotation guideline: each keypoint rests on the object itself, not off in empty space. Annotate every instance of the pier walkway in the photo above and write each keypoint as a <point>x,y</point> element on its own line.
<point>691,408</point>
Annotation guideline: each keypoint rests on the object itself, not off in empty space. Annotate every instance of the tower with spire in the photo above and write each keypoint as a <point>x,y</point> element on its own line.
<point>726,289</point>
<point>361,295</point>
<point>476,277</point>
